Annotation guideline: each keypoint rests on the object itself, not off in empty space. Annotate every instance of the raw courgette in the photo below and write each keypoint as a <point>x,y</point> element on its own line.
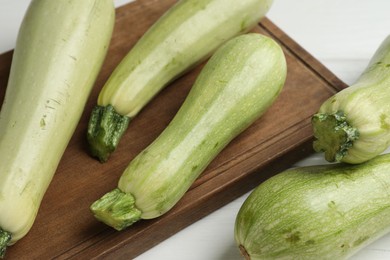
<point>353,126</point>
<point>59,51</point>
<point>316,212</point>
<point>184,36</point>
<point>237,85</point>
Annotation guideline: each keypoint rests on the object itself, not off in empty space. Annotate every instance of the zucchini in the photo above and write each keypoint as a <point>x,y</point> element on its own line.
<point>237,85</point>
<point>183,37</point>
<point>59,51</point>
<point>353,126</point>
<point>316,212</point>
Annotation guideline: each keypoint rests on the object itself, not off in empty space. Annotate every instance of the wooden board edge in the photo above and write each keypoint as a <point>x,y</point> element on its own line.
<point>304,56</point>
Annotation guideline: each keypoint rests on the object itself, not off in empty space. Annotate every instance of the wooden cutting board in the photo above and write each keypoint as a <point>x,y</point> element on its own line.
<point>65,228</point>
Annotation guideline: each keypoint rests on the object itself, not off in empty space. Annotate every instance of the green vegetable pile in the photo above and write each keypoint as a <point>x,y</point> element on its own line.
<point>318,212</point>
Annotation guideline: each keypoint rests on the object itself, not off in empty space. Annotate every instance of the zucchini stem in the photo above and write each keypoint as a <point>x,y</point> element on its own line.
<point>105,130</point>
<point>5,238</point>
<point>333,134</point>
<point>116,209</point>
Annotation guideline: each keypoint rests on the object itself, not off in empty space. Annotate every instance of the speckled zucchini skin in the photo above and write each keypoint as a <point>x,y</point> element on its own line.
<point>316,212</point>
<point>187,34</point>
<point>237,85</point>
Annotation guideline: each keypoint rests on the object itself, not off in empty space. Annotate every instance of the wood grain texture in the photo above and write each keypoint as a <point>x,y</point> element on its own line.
<point>65,228</point>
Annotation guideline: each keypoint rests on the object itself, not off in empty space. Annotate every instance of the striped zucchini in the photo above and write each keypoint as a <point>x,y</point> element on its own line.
<point>353,126</point>
<point>59,51</point>
<point>240,81</point>
<point>184,36</point>
<point>316,212</point>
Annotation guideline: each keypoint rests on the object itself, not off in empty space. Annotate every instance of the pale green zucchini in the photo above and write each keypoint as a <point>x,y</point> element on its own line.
<point>59,51</point>
<point>353,126</point>
<point>240,81</point>
<point>316,212</point>
<point>184,36</point>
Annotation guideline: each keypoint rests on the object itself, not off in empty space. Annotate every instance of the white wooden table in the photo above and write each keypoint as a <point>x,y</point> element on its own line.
<point>342,34</point>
